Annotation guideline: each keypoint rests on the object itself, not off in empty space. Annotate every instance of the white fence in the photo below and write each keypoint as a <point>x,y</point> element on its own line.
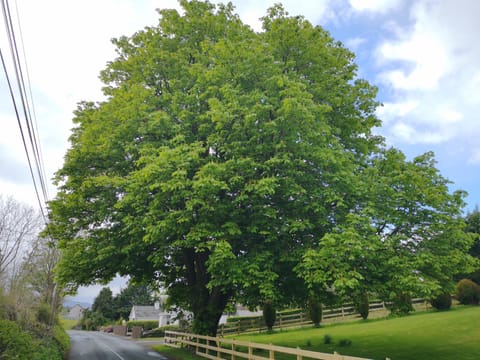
<point>221,348</point>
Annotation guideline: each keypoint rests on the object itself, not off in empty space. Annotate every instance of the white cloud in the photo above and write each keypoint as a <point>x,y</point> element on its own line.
<point>434,64</point>
<point>380,6</point>
<point>251,11</point>
<point>391,110</point>
<point>475,157</point>
<point>354,43</point>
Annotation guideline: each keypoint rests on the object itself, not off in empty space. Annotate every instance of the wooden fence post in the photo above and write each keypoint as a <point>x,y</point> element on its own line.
<point>299,357</point>
<point>233,350</point>
<point>238,327</point>
<point>271,354</point>
<point>250,352</point>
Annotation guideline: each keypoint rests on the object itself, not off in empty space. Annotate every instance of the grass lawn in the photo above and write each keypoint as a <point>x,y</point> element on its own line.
<point>175,354</point>
<point>68,324</point>
<point>453,334</point>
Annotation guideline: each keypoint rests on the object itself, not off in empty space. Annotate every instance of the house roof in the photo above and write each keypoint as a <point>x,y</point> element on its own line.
<point>146,312</point>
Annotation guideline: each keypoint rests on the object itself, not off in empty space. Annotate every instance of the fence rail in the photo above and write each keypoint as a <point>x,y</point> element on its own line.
<point>222,348</point>
<point>301,318</point>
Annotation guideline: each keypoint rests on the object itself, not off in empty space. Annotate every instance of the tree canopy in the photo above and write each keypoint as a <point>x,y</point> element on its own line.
<point>240,165</point>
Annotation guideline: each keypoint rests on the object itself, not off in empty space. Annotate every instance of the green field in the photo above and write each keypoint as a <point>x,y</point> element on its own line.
<point>68,324</point>
<point>453,334</point>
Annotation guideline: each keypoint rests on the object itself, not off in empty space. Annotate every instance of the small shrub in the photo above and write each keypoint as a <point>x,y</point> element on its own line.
<point>269,314</point>
<point>442,302</point>
<point>7,310</point>
<point>362,305</point>
<point>309,343</point>
<point>62,339</point>
<point>160,332</point>
<point>344,342</point>
<point>327,339</point>
<point>43,314</point>
<point>315,311</point>
<point>15,343</point>
<point>147,324</point>
<point>401,304</point>
<point>467,292</point>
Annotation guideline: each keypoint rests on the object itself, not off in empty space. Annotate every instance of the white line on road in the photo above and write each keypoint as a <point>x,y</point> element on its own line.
<point>113,351</point>
<point>154,354</point>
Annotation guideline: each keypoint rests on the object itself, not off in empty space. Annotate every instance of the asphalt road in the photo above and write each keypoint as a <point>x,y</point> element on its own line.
<point>94,345</point>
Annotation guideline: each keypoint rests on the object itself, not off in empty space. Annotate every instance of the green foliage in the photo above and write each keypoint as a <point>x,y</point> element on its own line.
<point>467,292</point>
<point>426,335</point>
<point>362,304</point>
<point>133,294</point>
<point>401,304</point>
<point>145,324</point>
<point>103,304</point>
<point>315,311</point>
<point>44,314</point>
<point>269,314</point>
<point>442,301</point>
<point>92,320</point>
<point>14,343</point>
<point>243,165</point>
<point>7,310</point>
<point>160,332</point>
<point>62,339</point>
<point>344,342</point>
<point>327,339</point>
<point>472,227</point>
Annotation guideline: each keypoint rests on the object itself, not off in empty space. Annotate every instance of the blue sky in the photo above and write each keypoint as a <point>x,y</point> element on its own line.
<point>422,55</point>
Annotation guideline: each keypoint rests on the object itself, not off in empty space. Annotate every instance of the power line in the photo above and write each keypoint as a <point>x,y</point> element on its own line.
<point>35,123</point>
<point>31,129</point>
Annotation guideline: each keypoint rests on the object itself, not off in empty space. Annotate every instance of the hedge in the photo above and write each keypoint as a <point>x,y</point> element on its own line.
<point>160,332</point>
<point>146,324</point>
<point>16,344</point>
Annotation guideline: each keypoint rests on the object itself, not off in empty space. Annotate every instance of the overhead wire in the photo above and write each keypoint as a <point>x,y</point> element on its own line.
<point>32,128</point>
<point>34,118</point>
<point>23,92</point>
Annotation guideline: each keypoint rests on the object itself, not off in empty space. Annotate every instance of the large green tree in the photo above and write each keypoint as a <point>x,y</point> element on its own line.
<point>103,304</point>
<point>472,220</point>
<point>405,238</point>
<point>221,156</point>
<point>133,294</point>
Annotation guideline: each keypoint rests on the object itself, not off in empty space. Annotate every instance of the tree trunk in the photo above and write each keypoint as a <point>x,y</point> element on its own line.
<point>207,315</point>
<point>207,303</point>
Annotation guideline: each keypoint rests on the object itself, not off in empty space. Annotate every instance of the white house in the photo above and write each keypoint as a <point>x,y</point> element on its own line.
<point>154,313</point>
<point>145,312</point>
<point>75,312</point>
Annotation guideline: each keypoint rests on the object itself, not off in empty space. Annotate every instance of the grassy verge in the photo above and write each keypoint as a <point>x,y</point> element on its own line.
<point>446,335</point>
<point>68,324</point>
<point>175,354</point>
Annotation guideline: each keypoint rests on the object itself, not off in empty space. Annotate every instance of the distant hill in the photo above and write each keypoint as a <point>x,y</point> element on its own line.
<point>69,303</point>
